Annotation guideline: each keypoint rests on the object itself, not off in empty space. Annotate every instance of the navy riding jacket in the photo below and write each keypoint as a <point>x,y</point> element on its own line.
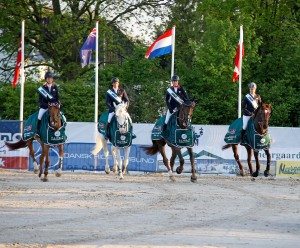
<point>110,100</point>
<point>43,102</point>
<point>171,102</point>
<point>247,106</point>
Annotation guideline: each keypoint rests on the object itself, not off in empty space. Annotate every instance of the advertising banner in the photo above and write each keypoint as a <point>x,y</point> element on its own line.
<point>288,168</point>
<point>9,131</point>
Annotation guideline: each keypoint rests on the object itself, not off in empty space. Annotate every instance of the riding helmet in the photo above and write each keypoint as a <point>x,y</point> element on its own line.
<point>48,74</point>
<point>175,78</point>
<point>252,85</point>
<point>115,79</point>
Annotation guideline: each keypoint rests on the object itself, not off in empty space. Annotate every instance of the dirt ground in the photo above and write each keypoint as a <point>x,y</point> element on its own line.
<point>97,210</point>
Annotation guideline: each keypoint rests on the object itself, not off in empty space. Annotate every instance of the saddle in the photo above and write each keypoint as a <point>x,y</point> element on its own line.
<point>115,137</point>
<point>252,138</point>
<point>173,134</point>
<point>47,134</point>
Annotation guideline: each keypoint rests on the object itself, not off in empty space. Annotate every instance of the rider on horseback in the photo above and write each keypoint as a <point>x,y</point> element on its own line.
<point>250,103</point>
<point>48,94</point>
<point>114,95</point>
<point>175,96</point>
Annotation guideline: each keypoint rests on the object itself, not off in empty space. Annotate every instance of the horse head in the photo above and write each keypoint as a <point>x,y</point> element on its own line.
<point>261,118</point>
<point>185,114</point>
<point>122,117</point>
<point>54,112</point>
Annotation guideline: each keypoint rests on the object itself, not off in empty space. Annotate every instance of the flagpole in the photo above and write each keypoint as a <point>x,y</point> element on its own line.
<point>96,76</point>
<point>96,94</point>
<point>240,71</point>
<point>22,77</point>
<point>173,51</point>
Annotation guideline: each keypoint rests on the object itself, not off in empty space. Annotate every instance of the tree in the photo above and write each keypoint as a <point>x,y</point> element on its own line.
<point>56,29</point>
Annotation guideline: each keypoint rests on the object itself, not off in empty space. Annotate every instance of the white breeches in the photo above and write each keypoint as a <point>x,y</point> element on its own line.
<point>245,121</point>
<point>41,113</point>
<point>168,115</point>
<point>110,115</point>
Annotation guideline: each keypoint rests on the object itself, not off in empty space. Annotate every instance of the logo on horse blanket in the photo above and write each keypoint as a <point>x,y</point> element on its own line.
<point>173,134</point>
<point>252,138</point>
<point>116,138</point>
<point>47,134</point>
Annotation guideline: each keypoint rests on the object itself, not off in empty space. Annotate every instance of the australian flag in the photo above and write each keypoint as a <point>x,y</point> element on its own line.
<point>87,48</point>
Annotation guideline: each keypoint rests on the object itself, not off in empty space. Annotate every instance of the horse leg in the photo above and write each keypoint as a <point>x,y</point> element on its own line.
<point>120,165</point>
<point>193,169</point>
<point>42,158</point>
<point>267,171</point>
<point>161,148</point>
<point>255,174</point>
<point>126,159</point>
<point>172,159</point>
<point>249,157</point>
<point>58,172</point>
<point>237,159</point>
<point>45,152</point>
<point>115,157</point>
<point>31,153</point>
<point>179,169</point>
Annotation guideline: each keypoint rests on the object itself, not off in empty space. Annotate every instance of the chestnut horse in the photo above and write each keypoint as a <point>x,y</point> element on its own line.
<point>261,119</point>
<point>55,122</point>
<point>184,117</point>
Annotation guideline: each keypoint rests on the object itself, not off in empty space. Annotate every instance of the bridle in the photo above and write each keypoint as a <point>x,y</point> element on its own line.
<point>261,118</point>
<point>54,112</point>
<point>185,113</point>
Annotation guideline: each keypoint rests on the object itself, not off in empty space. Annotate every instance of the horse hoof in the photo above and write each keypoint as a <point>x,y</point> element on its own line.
<point>45,179</point>
<point>242,173</point>
<point>172,178</point>
<point>193,179</point>
<point>178,170</point>
<point>255,174</point>
<point>107,171</point>
<point>57,173</point>
<point>266,173</point>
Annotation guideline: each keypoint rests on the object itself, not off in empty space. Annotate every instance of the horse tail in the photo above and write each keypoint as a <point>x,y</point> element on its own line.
<point>17,145</point>
<point>226,146</point>
<point>151,150</point>
<point>99,145</point>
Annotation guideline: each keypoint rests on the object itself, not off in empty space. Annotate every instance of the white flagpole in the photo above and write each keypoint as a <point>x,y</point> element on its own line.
<point>173,51</point>
<point>96,76</point>
<point>96,94</point>
<point>240,70</point>
<point>22,77</point>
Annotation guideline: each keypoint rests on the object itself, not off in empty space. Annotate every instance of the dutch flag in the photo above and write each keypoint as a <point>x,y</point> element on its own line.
<point>162,46</point>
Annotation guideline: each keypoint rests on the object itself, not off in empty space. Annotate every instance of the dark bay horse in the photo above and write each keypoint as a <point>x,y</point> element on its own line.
<point>261,119</point>
<point>184,117</point>
<point>55,122</point>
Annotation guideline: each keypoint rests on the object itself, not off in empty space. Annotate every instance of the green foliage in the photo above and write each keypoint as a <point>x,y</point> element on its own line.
<point>207,33</point>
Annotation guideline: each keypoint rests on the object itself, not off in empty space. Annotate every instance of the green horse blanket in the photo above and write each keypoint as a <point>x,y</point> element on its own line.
<point>173,134</point>
<point>117,139</point>
<point>47,134</point>
<point>252,138</point>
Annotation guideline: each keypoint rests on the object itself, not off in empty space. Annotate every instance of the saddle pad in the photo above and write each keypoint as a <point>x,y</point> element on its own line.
<point>157,129</point>
<point>233,135</point>
<point>184,137</point>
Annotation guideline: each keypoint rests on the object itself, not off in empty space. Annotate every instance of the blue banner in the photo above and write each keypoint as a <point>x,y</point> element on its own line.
<point>78,156</point>
<point>10,130</point>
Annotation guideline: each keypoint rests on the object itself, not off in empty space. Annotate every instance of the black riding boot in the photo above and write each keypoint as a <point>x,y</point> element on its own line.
<point>107,135</point>
<point>164,127</point>
<point>243,132</point>
<point>38,127</point>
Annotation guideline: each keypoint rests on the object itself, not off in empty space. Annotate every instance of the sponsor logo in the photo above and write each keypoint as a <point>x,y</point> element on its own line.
<point>57,133</point>
<point>28,128</point>
<point>232,131</point>
<point>184,136</point>
<point>123,137</point>
<point>288,168</point>
<point>262,140</point>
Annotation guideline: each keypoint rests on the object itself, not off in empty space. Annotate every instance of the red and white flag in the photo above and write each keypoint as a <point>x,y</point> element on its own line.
<point>238,58</point>
<point>17,67</point>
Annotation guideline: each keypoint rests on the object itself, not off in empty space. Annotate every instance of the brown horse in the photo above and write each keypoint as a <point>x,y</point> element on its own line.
<point>55,122</point>
<point>261,123</point>
<point>184,116</point>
